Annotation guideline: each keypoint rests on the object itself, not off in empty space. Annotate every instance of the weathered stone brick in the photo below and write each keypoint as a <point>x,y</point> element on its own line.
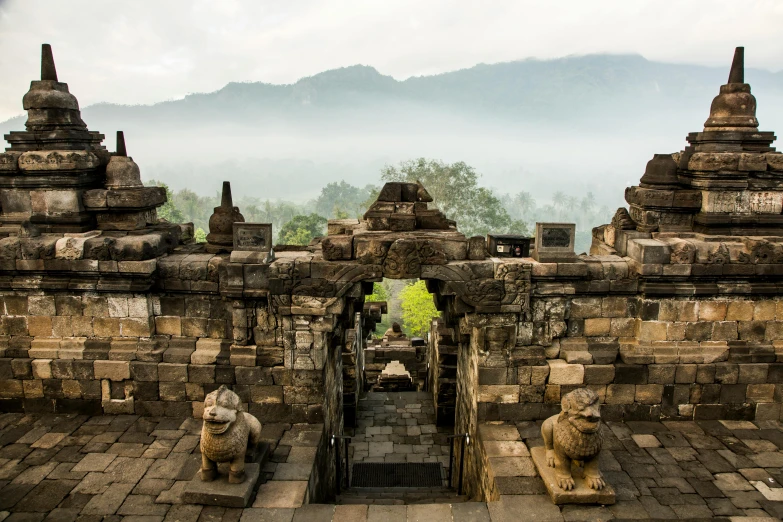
<point>539,374</point>
<point>622,327</point>
<point>620,393</point>
<point>599,374</point>
<point>42,368</point>
<point>195,327</point>
<point>675,331</point>
<point>561,372</point>
<point>753,373</point>
<point>106,327</point>
<point>262,394</point>
<point>173,372</point>
<point>201,373</point>
<point>61,326</point>
<point>724,331</point>
<point>761,392</point>
<point>705,373</point>
<point>585,307</point>
<point>552,394</point>
<point>168,325</point>
<point>614,306</point>
<point>172,391</point>
<point>144,371</point>
<point>764,311</point>
<point>41,305</point>
<point>661,373</point>
<point>712,310</point>
<point>649,393</point>
<point>630,374</point>
<point>726,373</point>
<point>135,327</point>
<point>698,331</point>
<point>68,305</point>
<point>82,326</point>
<point>41,326</point>
<point>652,331</point>
<point>118,306</point>
<point>685,374</point>
<point>95,306</point>
<point>740,311</point>
<point>112,370</point>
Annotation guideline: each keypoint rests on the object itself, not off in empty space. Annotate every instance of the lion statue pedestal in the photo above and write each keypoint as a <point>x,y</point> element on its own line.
<point>568,462</point>
<point>228,436</point>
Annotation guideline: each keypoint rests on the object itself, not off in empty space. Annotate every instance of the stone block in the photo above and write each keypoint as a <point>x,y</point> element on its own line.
<point>713,310</point>
<point>649,251</point>
<point>596,327</point>
<point>560,372</point>
<point>581,494</point>
<point>498,393</point>
<point>112,370</point>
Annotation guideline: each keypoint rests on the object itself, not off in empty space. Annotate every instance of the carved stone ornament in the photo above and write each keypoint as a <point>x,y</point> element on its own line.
<point>226,436</point>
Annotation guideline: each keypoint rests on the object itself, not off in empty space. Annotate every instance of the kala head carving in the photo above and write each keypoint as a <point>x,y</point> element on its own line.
<point>575,434</point>
<point>227,434</point>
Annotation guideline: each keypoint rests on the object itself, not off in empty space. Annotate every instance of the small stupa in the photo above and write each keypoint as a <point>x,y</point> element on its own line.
<point>221,223</point>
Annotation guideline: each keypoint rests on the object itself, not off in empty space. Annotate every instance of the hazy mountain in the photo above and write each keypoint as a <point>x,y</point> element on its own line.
<point>571,124</point>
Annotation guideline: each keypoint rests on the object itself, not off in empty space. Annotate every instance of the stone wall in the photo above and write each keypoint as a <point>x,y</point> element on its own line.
<point>677,358</point>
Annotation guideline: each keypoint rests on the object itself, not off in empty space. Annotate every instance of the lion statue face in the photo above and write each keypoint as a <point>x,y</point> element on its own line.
<point>582,410</point>
<point>220,410</point>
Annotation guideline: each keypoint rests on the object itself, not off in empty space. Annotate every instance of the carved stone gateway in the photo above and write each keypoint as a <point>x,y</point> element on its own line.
<point>568,462</point>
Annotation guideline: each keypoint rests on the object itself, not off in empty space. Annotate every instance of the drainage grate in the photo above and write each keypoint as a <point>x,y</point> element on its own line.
<point>397,475</point>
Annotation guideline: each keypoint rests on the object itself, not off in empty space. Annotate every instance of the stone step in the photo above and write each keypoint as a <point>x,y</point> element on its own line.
<point>400,496</point>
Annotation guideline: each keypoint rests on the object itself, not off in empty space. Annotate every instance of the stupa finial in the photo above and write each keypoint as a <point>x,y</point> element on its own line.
<point>121,150</point>
<point>737,74</point>
<point>226,201</point>
<point>48,71</point>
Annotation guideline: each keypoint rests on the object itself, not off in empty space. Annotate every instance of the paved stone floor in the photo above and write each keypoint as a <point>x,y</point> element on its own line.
<point>126,468</point>
<point>398,427</point>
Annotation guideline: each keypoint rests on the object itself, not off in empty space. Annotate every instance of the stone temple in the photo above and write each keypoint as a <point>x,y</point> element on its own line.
<point>116,326</point>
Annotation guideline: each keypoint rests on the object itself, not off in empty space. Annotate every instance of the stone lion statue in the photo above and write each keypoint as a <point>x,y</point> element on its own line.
<point>575,434</point>
<point>227,434</point>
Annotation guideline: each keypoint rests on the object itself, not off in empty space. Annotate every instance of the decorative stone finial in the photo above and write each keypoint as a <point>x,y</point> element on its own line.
<point>734,109</point>
<point>121,151</point>
<point>221,223</point>
<point>48,71</point>
<point>122,171</point>
<point>737,73</point>
<point>660,171</point>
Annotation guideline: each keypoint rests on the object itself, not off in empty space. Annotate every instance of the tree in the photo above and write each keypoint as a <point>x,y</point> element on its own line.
<point>379,293</point>
<point>342,199</point>
<point>300,230</point>
<point>456,192</point>
<point>199,236</point>
<point>168,210</point>
<point>418,308</point>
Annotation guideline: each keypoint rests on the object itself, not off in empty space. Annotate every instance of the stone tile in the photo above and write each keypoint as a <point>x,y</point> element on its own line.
<point>46,496</point>
<point>280,494</point>
<point>429,512</point>
<point>94,462</point>
<point>583,513</point>
<point>380,513</point>
<point>469,512</point>
<point>183,513</point>
<point>271,515</point>
<point>108,502</point>
<point>732,482</point>
<point>646,440</point>
<point>49,440</point>
<point>314,513</point>
<point>504,448</point>
<point>34,474</point>
<point>293,471</point>
<point>535,507</point>
<point>142,505</point>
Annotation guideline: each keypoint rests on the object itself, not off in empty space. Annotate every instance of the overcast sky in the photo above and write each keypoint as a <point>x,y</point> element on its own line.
<point>143,51</point>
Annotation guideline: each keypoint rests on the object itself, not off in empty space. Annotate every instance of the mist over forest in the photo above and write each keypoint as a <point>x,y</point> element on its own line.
<point>554,140</point>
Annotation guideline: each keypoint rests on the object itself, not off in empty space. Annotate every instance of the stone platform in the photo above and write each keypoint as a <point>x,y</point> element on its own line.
<point>581,494</point>
<point>115,468</point>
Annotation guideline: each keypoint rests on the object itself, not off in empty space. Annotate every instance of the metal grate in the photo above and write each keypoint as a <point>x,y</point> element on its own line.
<point>397,475</point>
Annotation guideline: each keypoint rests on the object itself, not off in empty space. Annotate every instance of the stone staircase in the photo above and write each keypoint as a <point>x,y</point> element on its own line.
<point>435,495</point>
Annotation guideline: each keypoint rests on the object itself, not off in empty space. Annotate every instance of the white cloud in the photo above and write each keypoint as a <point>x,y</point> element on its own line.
<point>146,51</point>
